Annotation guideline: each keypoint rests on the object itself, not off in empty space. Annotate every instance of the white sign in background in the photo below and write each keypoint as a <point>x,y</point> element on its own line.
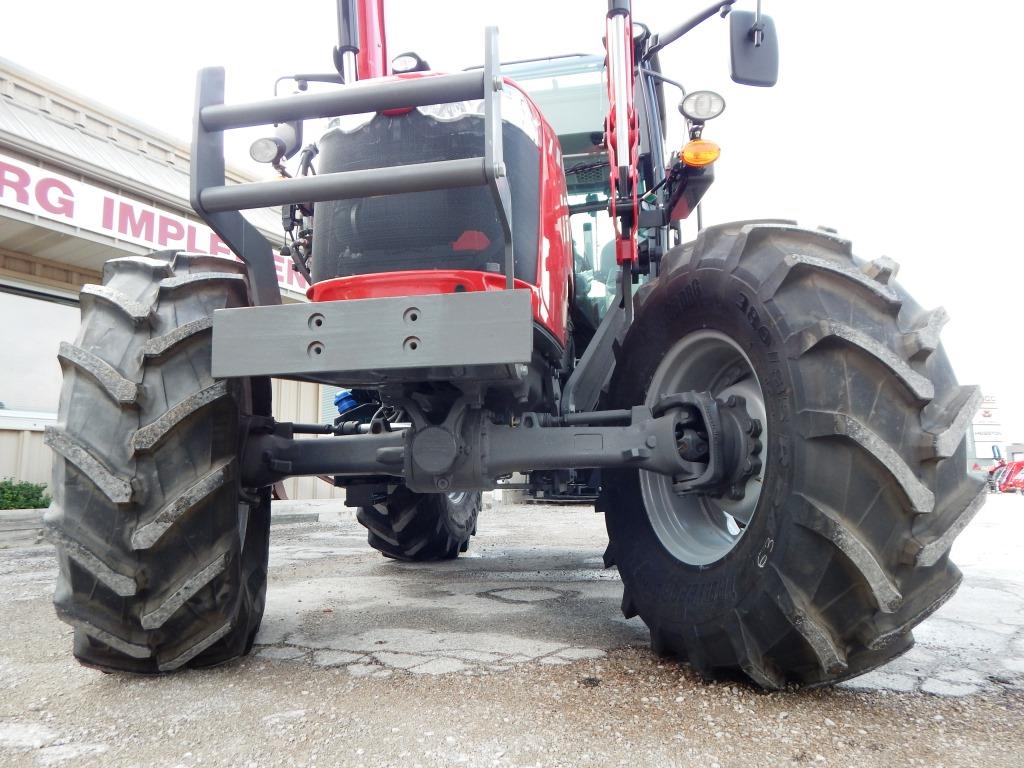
<point>52,196</point>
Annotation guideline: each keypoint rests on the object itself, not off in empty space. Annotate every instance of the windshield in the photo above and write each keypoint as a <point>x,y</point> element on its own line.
<point>570,93</point>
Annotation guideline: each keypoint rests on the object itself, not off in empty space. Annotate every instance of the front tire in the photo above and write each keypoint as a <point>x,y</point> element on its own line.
<point>162,554</point>
<point>864,484</point>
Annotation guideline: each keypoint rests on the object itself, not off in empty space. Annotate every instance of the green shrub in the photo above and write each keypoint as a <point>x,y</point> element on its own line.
<point>19,495</point>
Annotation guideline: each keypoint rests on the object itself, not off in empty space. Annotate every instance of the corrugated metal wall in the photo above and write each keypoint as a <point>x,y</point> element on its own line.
<point>298,401</point>
<point>23,455</point>
<point>328,411</point>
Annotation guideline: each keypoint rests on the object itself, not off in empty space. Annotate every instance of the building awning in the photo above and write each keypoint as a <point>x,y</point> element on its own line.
<point>80,184</point>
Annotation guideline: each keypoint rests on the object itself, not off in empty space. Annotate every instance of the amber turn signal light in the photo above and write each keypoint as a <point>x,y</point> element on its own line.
<point>698,153</point>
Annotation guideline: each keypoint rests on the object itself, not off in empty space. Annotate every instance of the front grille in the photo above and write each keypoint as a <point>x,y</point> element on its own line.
<point>442,229</point>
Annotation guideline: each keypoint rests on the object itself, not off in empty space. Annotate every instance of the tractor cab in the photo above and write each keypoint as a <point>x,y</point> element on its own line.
<point>572,94</point>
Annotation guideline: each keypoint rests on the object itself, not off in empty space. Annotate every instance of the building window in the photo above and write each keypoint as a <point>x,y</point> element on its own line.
<point>34,327</point>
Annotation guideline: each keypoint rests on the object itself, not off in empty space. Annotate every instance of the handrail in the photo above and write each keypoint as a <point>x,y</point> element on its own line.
<point>219,205</point>
<point>345,185</point>
<point>361,96</point>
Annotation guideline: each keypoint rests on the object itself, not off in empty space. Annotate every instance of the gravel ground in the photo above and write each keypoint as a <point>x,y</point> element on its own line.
<point>516,656</point>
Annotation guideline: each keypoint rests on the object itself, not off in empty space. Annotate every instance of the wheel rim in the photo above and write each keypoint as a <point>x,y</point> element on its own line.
<point>460,513</point>
<point>698,529</point>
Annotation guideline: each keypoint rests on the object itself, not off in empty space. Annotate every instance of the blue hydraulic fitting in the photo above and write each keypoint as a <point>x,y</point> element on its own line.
<point>345,402</point>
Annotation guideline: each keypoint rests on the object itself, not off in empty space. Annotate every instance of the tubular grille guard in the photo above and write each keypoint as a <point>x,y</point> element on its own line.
<point>219,205</point>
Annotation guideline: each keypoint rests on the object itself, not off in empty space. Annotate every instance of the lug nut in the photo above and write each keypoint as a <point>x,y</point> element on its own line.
<point>755,428</point>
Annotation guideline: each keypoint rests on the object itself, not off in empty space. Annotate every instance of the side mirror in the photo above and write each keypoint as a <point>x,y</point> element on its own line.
<point>754,52</point>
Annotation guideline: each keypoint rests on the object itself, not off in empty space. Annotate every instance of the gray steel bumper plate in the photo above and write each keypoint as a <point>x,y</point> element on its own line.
<point>324,340</point>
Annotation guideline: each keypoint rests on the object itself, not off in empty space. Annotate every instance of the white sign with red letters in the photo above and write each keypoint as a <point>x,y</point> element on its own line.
<point>40,192</point>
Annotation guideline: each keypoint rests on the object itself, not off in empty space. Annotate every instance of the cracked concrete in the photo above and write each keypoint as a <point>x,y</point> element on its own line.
<point>975,642</point>
<point>535,590</point>
<point>357,647</point>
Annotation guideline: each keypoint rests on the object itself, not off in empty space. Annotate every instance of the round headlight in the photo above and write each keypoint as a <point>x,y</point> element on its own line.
<point>408,62</point>
<point>268,150</point>
<point>701,106</point>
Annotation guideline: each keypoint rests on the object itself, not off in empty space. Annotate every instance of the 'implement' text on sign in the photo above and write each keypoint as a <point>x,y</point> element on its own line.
<point>60,198</point>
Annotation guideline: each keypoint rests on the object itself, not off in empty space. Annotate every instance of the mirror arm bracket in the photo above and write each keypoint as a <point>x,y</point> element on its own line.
<point>757,30</point>
<point>659,41</point>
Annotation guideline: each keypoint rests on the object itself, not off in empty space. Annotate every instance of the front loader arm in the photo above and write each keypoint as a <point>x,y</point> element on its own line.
<point>622,131</point>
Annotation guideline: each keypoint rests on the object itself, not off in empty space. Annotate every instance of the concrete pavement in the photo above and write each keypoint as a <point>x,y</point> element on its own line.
<point>533,589</point>
<point>515,654</point>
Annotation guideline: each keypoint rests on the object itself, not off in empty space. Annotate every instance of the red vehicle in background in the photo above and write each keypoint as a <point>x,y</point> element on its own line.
<point>1007,477</point>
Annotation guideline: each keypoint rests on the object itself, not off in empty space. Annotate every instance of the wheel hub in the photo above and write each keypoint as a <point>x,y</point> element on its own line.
<point>741,446</point>
<point>720,435</point>
<point>700,518</point>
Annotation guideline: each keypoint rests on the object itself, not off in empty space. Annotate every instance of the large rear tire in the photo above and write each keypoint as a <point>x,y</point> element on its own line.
<point>419,527</point>
<point>162,555</point>
<point>865,481</point>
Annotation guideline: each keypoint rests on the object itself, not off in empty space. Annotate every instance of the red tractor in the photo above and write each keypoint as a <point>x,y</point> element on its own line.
<point>497,276</point>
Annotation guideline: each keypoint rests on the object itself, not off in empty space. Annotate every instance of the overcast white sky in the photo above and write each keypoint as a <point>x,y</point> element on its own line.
<point>898,123</point>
